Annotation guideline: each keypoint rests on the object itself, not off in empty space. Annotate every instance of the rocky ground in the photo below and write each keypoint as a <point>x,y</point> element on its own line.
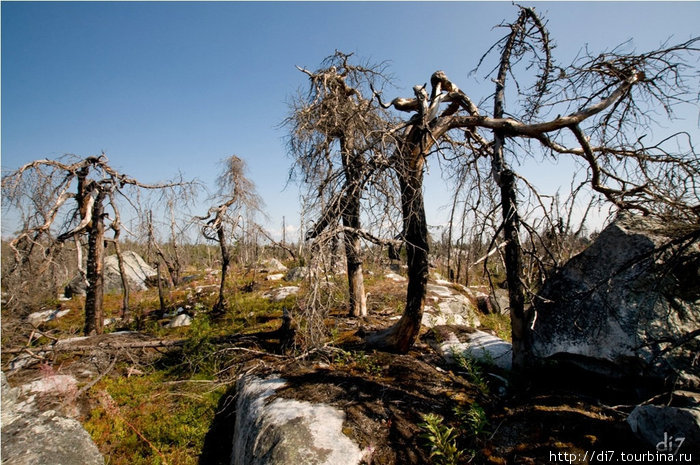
<point>185,388</point>
<point>384,398</point>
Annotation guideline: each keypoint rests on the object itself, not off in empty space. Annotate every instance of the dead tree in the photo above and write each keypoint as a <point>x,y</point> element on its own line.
<point>236,194</point>
<point>425,132</point>
<point>93,186</point>
<point>604,97</point>
<point>333,138</point>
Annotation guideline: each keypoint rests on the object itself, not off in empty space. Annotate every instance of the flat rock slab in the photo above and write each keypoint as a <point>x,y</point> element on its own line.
<point>281,293</point>
<point>478,345</point>
<point>395,277</point>
<point>48,439</point>
<point>449,308</point>
<point>439,291</point>
<point>449,313</point>
<point>31,437</point>
<point>287,431</point>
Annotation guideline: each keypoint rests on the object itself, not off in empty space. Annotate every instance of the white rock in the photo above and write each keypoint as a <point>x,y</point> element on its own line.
<point>59,384</point>
<point>395,277</point>
<point>179,321</point>
<point>440,291</point>
<point>274,277</point>
<point>300,272</point>
<point>287,431</point>
<point>30,436</point>
<point>449,308</point>
<point>47,315</point>
<point>281,293</point>
<point>272,265</point>
<point>480,346</point>
<point>432,319</point>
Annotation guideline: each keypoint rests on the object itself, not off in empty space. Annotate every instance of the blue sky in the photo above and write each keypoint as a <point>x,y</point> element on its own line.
<point>164,87</point>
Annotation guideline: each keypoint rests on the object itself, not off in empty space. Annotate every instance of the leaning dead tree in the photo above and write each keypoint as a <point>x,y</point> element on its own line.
<point>79,197</point>
<point>334,133</point>
<point>601,102</point>
<point>425,133</point>
<point>236,196</point>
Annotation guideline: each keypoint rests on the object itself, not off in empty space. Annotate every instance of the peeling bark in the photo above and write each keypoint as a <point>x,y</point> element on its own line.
<point>351,221</point>
<point>95,269</point>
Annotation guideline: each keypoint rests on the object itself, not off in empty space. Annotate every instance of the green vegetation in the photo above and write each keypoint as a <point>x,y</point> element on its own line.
<point>473,419</point>
<point>150,420</point>
<point>498,323</point>
<point>358,360</point>
<point>442,440</point>
<point>473,371</point>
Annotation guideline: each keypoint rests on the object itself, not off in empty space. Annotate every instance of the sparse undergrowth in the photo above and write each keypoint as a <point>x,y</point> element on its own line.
<point>168,408</point>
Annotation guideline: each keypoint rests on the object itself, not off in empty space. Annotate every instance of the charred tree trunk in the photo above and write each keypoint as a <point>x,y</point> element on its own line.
<point>161,293</point>
<point>94,322</point>
<point>403,335</point>
<point>519,316</point>
<point>416,236</point>
<point>220,306</point>
<point>505,178</point>
<point>125,281</point>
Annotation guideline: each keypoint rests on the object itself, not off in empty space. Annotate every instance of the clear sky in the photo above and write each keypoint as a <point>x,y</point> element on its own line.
<point>168,86</point>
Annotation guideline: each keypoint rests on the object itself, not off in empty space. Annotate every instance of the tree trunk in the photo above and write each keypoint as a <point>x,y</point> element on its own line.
<point>125,281</point>
<point>94,322</point>
<point>161,296</point>
<point>404,333</point>
<point>416,236</point>
<point>513,262</point>
<point>351,219</point>
<point>220,306</point>
<point>505,178</point>
<point>356,285</point>
<point>519,317</point>
<point>177,265</point>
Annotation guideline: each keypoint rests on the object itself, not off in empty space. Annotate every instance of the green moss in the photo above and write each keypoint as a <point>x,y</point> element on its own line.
<point>174,417</point>
<point>498,323</point>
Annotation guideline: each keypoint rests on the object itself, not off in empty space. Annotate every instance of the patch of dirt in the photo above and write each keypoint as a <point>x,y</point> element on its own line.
<point>385,396</point>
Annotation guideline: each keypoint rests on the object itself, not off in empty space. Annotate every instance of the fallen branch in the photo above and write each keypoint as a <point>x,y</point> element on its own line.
<point>150,344</point>
<point>493,251</point>
<point>89,386</point>
<point>58,347</point>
